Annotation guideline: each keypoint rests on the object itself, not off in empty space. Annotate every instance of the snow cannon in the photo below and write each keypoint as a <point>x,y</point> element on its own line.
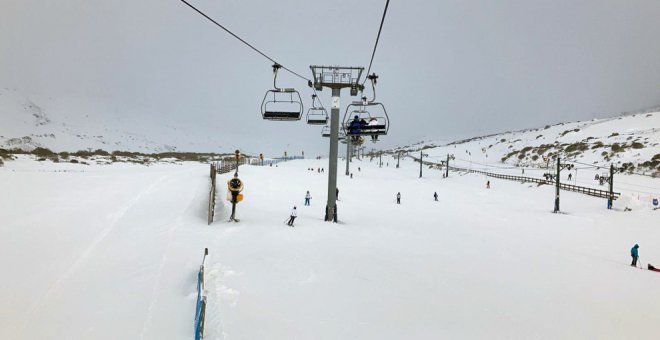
<point>234,186</point>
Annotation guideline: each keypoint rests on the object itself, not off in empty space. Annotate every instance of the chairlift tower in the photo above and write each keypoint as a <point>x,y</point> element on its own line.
<point>335,78</point>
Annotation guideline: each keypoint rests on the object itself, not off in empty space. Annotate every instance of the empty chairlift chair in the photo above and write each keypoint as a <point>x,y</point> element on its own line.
<point>325,132</point>
<point>281,103</point>
<point>316,115</point>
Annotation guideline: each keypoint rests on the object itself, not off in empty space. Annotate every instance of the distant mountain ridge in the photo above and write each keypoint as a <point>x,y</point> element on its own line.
<point>72,124</point>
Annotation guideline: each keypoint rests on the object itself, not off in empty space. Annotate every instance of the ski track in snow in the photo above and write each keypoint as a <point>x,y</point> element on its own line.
<point>86,253</point>
<point>156,288</point>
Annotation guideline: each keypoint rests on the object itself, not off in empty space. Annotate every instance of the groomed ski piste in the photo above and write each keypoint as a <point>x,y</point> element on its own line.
<point>112,252</point>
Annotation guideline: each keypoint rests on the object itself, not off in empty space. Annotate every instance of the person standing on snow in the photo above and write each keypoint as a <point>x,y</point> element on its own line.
<point>294,214</point>
<point>487,184</point>
<point>308,197</point>
<point>398,198</point>
<point>634,252</point>
<point>435,196</point>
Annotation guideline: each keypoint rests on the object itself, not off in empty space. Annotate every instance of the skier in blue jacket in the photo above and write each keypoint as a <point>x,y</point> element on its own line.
<point>634,252</point>
<point>355,126</point>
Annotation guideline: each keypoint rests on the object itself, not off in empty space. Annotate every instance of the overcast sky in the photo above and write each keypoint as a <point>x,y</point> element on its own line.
<point>448,69</point>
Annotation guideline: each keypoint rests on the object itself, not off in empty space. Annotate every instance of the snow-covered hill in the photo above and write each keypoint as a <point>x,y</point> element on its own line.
<point>76,123</point>
<point>629,141</point>
<point>112,252</point>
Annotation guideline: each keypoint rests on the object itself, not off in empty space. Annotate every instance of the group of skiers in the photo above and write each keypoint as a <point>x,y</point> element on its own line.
<point>319,170</point>
<point>398,197</point>
<point>308,202</point>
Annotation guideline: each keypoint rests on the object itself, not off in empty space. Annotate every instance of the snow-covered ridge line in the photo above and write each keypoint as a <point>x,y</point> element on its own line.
<point>75,123</point>
<point>631,142</point>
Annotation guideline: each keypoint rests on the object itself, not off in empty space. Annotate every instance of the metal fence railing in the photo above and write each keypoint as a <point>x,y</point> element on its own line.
<point>563,186</point>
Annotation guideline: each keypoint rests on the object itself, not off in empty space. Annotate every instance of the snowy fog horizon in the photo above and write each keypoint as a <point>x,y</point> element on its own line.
<point>448,70</point>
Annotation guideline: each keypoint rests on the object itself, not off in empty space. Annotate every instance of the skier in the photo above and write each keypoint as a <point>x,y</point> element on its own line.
<point>358,169</point>
<point>308,197</point>
<point>634,252</point>
<point>334,214</point>
<point>398,198</point>
<point>351,175</point>
<point>435,196</point>
<point>294,214</point>
<point>488,185</point>
<point>337,194</point>
<point>570,176</point>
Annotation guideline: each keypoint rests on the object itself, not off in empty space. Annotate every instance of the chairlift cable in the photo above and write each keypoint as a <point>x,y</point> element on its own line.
<point>382,20</point>
<point>241,40</point>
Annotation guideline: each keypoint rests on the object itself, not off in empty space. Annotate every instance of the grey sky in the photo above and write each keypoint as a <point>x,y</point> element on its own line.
<point>448,69</point>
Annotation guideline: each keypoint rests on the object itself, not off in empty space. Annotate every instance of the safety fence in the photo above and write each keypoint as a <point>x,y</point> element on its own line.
<point>563,186</point>
<point>228,165</point>
<point>200,306</point>
<point>225,166</point>
<point>272,161</point>
<point>211,210</point>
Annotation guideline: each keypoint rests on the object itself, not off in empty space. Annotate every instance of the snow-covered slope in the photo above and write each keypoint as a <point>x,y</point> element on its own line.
<point>112,252</point>
<point>630,141</point>
<point>76,123</point>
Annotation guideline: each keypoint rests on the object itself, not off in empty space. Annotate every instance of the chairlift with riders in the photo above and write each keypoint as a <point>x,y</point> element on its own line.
<point>366,117</point>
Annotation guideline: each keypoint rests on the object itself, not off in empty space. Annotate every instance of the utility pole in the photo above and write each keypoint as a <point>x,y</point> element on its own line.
<point>335,78</point>
<point>421,155</point>
<point>559,168</point>
<point>348,154</point>
<point>398,154</point>
<point>447,165</point>
<point>610,200</point>
<point>557,186</point>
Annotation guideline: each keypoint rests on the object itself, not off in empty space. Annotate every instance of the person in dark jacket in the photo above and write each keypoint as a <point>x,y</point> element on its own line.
<point>398,198</point>
<point>355,126</point>
<point>435,195</point>
<point>634,252</point>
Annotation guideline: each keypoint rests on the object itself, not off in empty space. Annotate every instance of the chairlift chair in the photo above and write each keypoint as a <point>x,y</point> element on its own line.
<point>325,132</point>
<point>316,115</point>
<point>370,124</point>
<point>284,104</point>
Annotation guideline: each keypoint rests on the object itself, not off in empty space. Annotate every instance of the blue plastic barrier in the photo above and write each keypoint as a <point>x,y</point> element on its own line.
<point>200,307</point>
